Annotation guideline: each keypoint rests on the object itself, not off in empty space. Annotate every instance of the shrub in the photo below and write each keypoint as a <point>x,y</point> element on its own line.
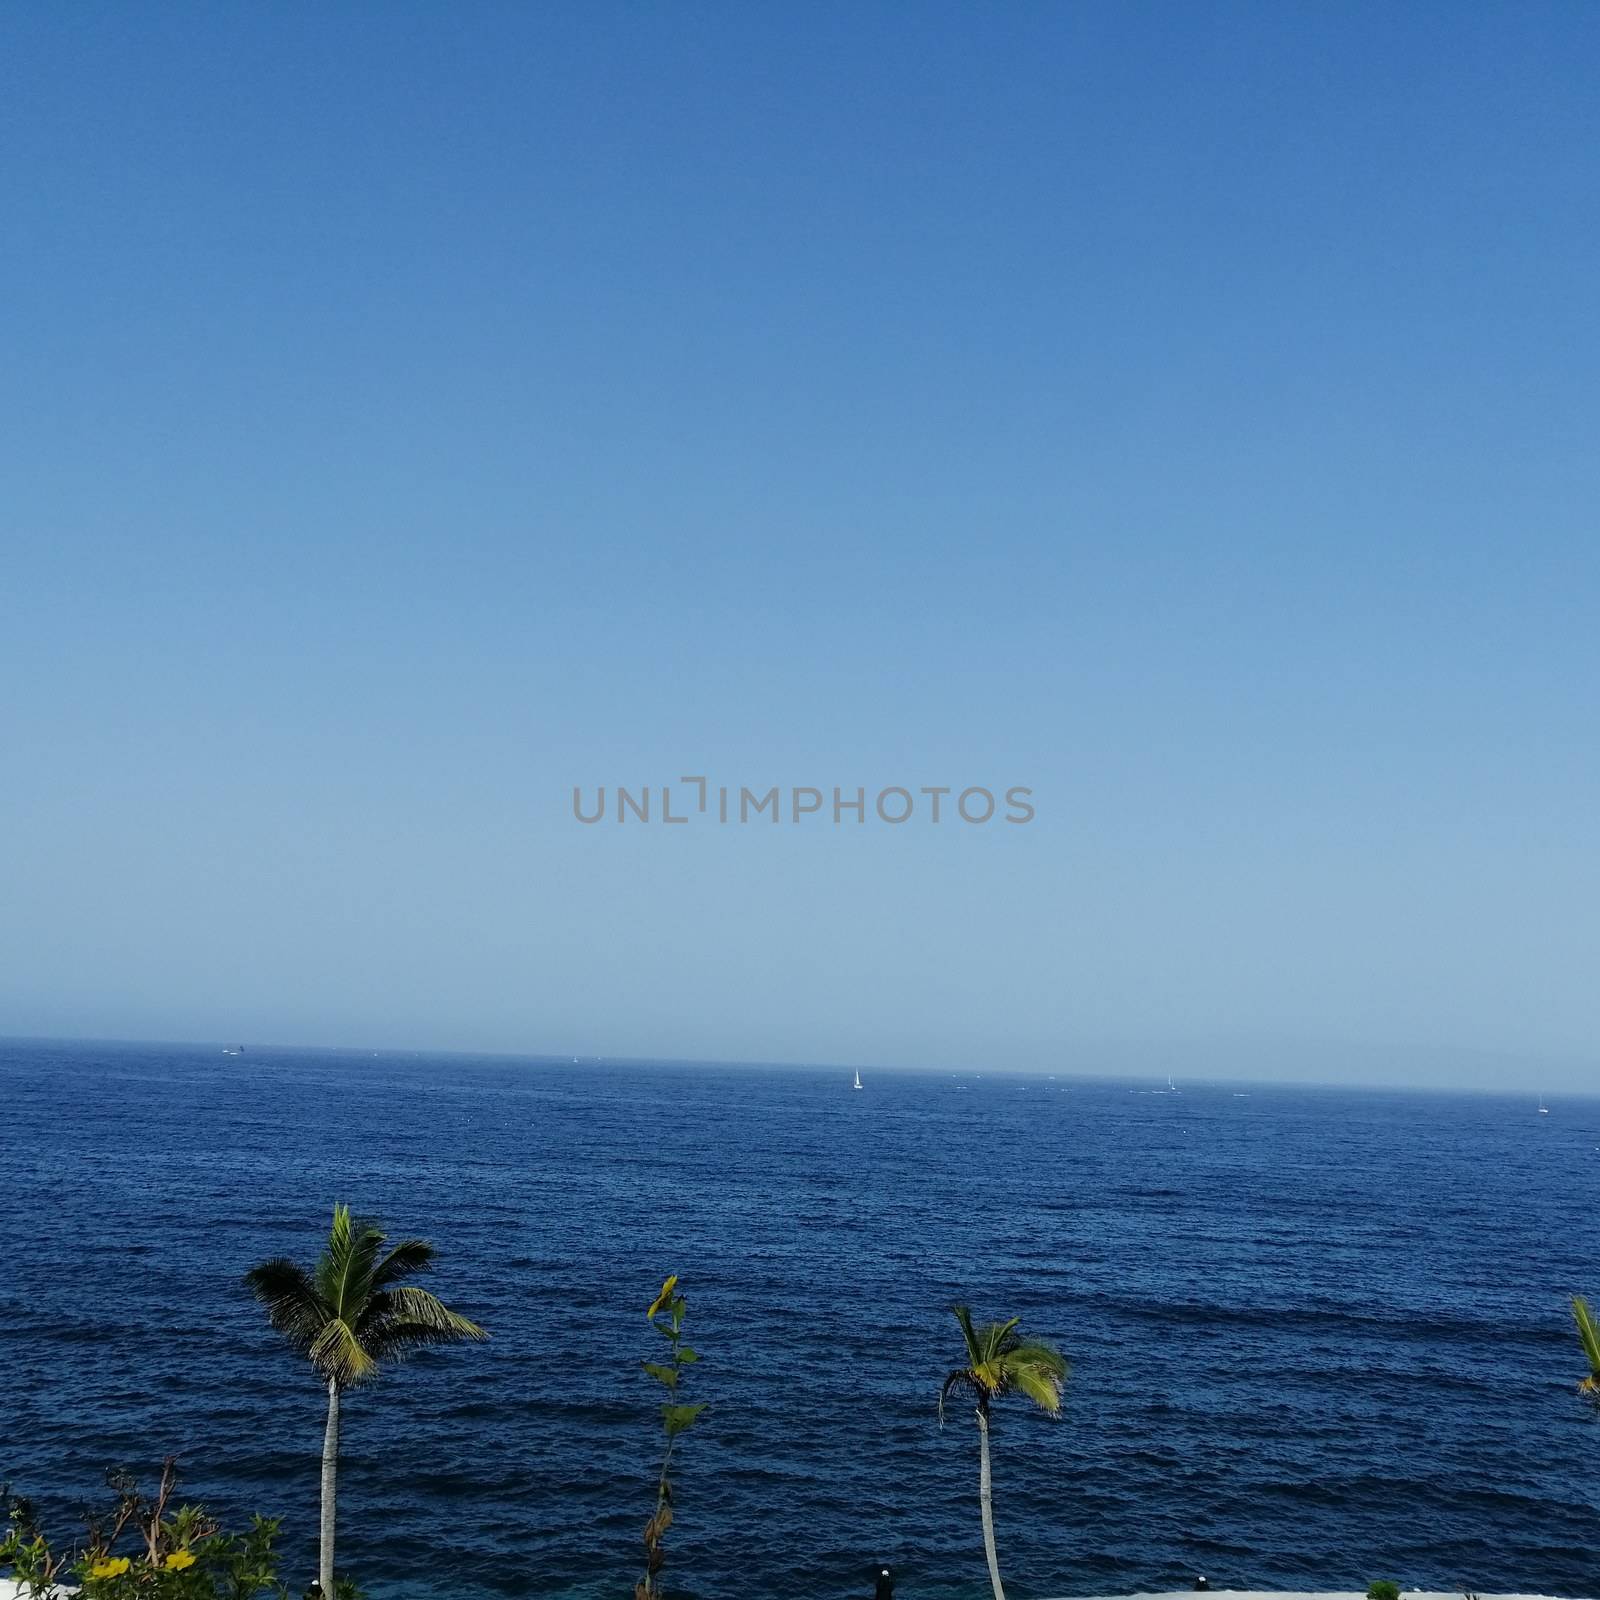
<point>1383,1589</point>
<point>135,1550</point>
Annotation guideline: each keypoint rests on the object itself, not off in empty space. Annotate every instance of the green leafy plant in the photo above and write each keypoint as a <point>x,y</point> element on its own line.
<point>1000,1361</point>
<point>666,1315</point>
<point>135,1550</point>
<point>349,1314</point>
<point>1589,1338</point>
<point>1383,1589</point>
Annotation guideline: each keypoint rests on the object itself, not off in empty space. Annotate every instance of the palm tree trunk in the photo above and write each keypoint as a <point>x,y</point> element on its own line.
<point>330,1468</point>
<point>988,1509</point>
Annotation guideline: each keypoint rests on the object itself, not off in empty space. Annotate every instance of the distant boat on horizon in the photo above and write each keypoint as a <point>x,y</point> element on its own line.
<point>233,1049</point>
<point>1544,1110</point>
<point>857,1083</point>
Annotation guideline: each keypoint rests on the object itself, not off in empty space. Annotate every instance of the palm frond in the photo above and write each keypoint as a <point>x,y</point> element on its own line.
<point>1589,1338</point>
<point>996,1338</point>
<point>1039,1372</point>
<point>338,1354</point>
<point>1036,1353</point>
<point>964,1317</point>
<point>398,1321</point>
<point>344,1273</point>
<point>953,1384</point>
<point>293,1305</point>
<point>403,1260</point>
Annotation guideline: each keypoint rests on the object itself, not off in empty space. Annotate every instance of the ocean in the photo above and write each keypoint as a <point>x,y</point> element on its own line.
<point>1318,1336</point>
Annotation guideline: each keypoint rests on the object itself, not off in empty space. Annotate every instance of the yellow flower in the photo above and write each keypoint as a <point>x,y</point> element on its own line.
<point>110,1569</point>
<point>179,1559</point>
<point>664,1297</point>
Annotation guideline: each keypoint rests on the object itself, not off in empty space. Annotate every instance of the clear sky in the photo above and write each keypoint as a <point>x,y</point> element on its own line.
<point>408,413</point>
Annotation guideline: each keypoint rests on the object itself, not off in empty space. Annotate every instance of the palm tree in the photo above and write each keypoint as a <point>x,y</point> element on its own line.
<point>1000,1360</point>
<point>1589,1338</point>
<point>348,1314</point>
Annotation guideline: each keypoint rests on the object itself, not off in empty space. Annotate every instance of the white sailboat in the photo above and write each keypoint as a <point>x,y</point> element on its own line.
<point>857,1083</point>
<point>1544,1110</point>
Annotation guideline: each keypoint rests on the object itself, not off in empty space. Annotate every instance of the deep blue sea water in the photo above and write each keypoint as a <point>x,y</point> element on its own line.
<point>1318,1337</point>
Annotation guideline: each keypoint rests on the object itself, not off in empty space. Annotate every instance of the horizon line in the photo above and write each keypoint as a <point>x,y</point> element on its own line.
<point>561,1058</point>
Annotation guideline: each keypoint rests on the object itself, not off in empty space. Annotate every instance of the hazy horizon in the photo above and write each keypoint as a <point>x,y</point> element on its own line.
<point>1440,1070</point>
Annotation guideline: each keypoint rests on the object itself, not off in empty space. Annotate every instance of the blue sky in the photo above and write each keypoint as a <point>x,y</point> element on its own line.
<point>1185,411</point>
